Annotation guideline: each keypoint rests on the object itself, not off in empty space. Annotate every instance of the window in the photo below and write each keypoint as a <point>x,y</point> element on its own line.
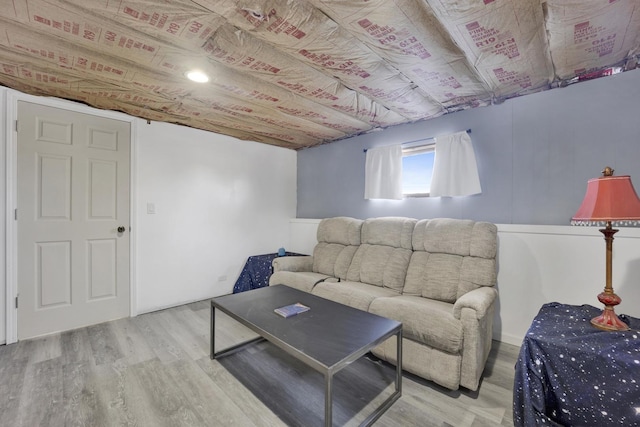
<point>417,168</point>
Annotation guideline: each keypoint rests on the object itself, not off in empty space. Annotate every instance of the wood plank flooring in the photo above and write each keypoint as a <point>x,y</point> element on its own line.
<point>154,370</point>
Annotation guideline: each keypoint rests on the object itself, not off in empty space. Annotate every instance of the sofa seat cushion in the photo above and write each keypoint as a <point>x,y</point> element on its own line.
<point>301,280</point>
<point>354,294</point>
<point>423,320</point>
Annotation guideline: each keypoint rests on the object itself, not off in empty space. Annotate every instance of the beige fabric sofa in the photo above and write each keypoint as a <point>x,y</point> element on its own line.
<point>435,276</point>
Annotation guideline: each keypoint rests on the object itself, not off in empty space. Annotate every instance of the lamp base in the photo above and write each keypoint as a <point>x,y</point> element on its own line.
<point>609,321</point>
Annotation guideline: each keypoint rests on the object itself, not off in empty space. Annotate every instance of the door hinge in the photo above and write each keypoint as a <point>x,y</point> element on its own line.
<point>16,126</point>
<point>15,214</point>
<point>16,302</point>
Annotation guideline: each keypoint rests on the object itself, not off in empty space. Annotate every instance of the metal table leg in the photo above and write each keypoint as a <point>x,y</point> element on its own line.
<point>398,385</point>
<point>229,350</point>
<point>399,363</point>
<point>328,399</point>
<point>213,328</point>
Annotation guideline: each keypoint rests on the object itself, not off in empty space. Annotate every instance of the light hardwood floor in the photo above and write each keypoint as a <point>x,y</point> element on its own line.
<point>154,370</point>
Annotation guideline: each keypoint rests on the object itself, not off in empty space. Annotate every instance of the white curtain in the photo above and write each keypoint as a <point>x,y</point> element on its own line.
<point>455,172</point>
<point>383,173</point>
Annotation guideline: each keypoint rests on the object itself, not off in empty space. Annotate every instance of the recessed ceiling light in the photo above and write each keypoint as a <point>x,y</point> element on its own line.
<point>197,76</point>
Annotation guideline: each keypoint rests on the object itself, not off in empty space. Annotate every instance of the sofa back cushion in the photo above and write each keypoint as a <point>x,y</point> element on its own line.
<point>384,252</point>
<point>338,239</point>
<point>451,257</point>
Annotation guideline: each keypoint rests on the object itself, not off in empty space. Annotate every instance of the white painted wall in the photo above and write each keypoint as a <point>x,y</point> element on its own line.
<point>540,264</point>
<point>217,199</point>
<point>303,235</point>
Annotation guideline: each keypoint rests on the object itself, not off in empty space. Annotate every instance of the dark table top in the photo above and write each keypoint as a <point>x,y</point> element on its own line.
<point>327,336</point>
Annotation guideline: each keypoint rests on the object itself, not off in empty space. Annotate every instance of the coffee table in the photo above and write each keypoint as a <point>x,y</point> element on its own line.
<point>327,338</point>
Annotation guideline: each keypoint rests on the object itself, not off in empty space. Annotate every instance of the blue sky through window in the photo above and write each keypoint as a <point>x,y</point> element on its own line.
<point>417,170</point>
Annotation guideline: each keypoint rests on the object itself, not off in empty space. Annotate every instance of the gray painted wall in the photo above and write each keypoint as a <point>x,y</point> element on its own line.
<point>535,154</point>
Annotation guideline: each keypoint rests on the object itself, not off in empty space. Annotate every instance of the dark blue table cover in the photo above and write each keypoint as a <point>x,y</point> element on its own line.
<point>256,272</point>
<point>571,374</point>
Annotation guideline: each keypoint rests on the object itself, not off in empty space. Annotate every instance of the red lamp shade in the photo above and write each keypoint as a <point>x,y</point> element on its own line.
<point>609,198</point>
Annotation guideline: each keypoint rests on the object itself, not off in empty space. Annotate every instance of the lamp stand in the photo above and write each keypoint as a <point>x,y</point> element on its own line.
<point>608,320</point>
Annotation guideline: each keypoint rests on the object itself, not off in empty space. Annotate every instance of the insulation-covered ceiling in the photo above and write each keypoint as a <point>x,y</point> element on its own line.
<point>297,73</point>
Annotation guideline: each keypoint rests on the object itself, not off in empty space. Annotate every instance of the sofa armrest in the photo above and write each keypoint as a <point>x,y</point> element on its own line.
<point>475,310</point>
<point>479,300</point>
<point>293,263</point>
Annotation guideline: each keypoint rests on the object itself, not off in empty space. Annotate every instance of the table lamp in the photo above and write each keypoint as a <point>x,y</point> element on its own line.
<point>609,199</point>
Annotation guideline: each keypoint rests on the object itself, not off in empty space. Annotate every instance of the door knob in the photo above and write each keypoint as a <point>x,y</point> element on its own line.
<point>121,229</point>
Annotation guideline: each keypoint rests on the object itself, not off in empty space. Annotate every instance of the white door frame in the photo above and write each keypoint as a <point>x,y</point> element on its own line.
<point>11,227</point>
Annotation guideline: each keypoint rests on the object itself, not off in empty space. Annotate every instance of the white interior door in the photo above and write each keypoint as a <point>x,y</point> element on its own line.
<point>73,219</point>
